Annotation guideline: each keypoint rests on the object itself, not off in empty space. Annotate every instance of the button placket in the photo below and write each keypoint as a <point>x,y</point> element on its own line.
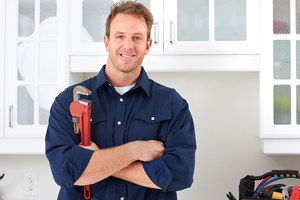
<point>119,117</point>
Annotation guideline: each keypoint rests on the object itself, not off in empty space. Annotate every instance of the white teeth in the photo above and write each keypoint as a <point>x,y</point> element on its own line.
<point>126,56</point>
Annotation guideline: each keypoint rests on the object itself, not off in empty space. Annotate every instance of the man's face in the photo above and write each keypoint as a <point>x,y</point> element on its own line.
<point>127,43</point>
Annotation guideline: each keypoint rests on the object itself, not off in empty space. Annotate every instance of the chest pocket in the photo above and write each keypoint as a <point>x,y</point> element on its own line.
<point>149,125</point>
<point>99,130</point>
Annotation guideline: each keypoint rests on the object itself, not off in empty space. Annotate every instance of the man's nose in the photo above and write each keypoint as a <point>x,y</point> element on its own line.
<point>128,43</point>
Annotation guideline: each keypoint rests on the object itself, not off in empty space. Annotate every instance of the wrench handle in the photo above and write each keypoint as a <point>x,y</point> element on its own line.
<point>87,192</point>
<point>86,141</point>
<point>82,111</point>
<point>86,124</point>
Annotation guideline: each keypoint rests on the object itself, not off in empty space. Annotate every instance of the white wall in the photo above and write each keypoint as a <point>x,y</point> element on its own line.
<point>225,107</point>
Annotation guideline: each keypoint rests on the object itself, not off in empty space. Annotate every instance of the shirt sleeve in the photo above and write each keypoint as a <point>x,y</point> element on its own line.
<point>174,171</point>
<point>67,160</point>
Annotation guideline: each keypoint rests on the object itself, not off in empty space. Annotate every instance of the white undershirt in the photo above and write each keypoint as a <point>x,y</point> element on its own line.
<point>123,90</point>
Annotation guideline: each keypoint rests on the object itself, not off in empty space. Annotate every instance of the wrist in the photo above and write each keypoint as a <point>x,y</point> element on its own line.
<point>134,149</point>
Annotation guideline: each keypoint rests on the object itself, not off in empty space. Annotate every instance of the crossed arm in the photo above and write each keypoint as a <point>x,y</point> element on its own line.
<point>122,162</point>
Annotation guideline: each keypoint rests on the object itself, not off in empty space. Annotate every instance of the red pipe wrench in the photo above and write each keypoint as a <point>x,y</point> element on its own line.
<point>80,110</point>
<point>296,193</point>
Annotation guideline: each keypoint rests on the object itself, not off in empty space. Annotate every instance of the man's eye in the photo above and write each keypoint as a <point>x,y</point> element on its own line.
<point>136,38</point>
<point>119,36</point>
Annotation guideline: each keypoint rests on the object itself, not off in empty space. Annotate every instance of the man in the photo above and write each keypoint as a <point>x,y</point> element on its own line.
<point>143,134</point>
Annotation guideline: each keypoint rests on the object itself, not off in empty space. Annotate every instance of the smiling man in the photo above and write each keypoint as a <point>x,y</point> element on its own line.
<point>143,138</point>
<point>127,44</point>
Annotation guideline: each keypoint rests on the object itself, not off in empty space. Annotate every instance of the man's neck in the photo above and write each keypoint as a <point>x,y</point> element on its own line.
<point>121,79</point>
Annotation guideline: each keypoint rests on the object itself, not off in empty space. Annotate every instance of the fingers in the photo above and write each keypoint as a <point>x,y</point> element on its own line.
<point>151,150</point>
<point>92,147</point>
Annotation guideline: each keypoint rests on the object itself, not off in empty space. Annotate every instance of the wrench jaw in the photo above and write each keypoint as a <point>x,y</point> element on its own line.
<point>77,91</point>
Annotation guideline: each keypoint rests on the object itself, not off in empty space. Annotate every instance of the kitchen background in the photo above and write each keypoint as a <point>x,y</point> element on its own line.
<point>222,80</point>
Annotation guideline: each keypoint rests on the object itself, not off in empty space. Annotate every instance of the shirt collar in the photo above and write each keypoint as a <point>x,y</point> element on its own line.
<point>100,79</point>
<point>143,80</point>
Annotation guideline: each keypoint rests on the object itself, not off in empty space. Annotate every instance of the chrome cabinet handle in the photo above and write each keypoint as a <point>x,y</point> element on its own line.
<point>11,116</point>
<point>156,32</point>
<point>171,32</point>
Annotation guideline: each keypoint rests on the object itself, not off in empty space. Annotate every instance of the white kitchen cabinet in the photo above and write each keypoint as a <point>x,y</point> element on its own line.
<point>187,35</point>
<point>280,76</point>
<point>2,41</point>
<point>34,71</point>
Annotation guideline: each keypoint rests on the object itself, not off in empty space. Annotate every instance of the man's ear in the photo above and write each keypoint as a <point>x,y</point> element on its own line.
<point>149,43</point>
<point>106,43</point>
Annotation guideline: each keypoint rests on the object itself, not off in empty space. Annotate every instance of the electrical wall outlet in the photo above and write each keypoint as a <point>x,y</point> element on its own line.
<point>30,184</point>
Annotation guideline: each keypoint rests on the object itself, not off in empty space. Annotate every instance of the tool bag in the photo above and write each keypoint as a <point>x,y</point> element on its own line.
<point>267,191</point>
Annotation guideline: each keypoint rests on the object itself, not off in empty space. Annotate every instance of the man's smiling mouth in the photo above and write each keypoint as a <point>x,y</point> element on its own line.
<point>127,56</point>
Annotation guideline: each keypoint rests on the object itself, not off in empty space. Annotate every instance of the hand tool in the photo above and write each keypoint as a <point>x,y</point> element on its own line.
<point>286,192</point>
<point>1,176</point>
<point>296,193</point>
<point>80,110</point>
<point>230,196</point>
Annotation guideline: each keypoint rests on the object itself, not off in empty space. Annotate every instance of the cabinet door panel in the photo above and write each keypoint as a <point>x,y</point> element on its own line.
<point>282,104</point>
<point>26,18</point>
<point>48,14</point>
<point>94,14</point>
<point>230,20</point>
<point>193,21</point>
<point>25,61</point>
<point>281,59</point>
<point>25,106</point>
<point>211,27</point>
<point>281,17</point>
<point>47,94</point>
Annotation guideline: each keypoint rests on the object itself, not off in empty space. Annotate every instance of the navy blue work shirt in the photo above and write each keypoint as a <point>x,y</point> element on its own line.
<point>148,111</point>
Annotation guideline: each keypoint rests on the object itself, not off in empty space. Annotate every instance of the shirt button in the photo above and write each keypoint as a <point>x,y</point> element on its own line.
<point>119,122</point>
<point>152,118</point>
<point>121,99</point>
<point>122,198</point>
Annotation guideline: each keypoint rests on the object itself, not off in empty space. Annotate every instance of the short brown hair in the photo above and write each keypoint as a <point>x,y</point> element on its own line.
<point>132,8</point>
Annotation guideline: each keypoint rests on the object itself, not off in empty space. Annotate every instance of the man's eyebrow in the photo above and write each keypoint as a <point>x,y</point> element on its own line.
<point>119,32</point>
<point>137,33</point>
<point>141,35</point>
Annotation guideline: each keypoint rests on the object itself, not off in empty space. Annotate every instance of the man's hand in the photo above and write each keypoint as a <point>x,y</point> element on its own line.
<point>150,150</point>
<point>92,147</point>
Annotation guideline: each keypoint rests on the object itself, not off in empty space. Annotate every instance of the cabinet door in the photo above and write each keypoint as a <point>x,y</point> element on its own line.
<point>2,41</point>
<point>87,25</point>
<point>31,66</point>
<point>211,26</point>
<point>280,76</point>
